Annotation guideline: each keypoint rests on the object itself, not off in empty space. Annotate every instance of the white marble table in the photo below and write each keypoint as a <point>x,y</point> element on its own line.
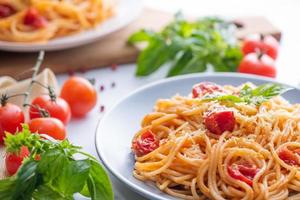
<point>283,13</point>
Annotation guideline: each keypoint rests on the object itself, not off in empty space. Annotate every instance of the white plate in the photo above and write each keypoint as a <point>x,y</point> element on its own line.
<point>126,12</point>
<point>117,127</point>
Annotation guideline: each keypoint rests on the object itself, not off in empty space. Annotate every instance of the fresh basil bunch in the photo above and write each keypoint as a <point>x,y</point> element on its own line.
<point>189,47</point>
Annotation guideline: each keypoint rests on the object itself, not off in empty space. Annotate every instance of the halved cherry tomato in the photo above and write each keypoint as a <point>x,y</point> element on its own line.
<point>266,44</point>
<point>289,157</point>
<point>220,121</point>
<point>6,10</point>
<point>254,63</point>
<point>80,94</point>
<point>145,144</point>
<point>243,172</point>
<point>49,126</point>
<point>14,161</point>
<point>203,88</point>
<point>11,119</point>
<point>34,18</point>
<point>56,107</point>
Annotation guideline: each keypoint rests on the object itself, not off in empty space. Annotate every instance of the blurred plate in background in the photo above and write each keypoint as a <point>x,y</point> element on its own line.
<point>126,12</point>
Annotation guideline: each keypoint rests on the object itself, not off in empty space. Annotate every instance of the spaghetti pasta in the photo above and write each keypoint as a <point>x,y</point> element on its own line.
<point>42,20</point>
<point>257,159</point>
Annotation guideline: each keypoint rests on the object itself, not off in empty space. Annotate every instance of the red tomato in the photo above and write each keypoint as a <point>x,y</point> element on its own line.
<point>6,10</point>
<point>80,94</point>
<point>260,65</point>
<point>34,18</point>
<point>289,157</point>
<point>13,161</point>
<point>145,144</point>
<point>218,122</point>
<point>57,108</point>
<point>266,44</point>
<point>243,172</point>
<point>11,119</point>
<point>49,126</point>
<point>203,88</point>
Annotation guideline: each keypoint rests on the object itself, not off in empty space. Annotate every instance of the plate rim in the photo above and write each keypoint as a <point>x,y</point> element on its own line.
<point>97,137</point>
<point>66,43</point>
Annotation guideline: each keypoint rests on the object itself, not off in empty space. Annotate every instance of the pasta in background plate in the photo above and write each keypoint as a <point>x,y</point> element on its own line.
<point>42,20</point>
<point>222,143</point>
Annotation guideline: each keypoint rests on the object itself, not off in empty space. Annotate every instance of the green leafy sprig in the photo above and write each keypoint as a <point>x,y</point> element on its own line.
<point>189,47</point>
<point>56,174</point>
<point>248,95</point>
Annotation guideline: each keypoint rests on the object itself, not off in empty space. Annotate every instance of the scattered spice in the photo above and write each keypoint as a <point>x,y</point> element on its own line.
<point>114,67</point>
<point>113,84</point>
<point>101,88</point>
<point>71,72</point>
<point>102,108</point>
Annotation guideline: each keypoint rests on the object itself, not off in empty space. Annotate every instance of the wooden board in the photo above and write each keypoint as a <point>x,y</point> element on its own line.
<point>113,48</point>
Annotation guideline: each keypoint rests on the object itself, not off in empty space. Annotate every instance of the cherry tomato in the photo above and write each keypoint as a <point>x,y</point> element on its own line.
<point>34,18</point>
<point>56,107</point>
<point>80,94</point>
<point>262,65</point>
<point>14,161</point>
<point>49,126</point>
<point>218,122</point>
<point>266,44</point>
<point>11,119</point>
<point>289,157</point>
<point>203,88</point>
<point>243,172</point>
<point>145,144</point>
<point>6,10</point>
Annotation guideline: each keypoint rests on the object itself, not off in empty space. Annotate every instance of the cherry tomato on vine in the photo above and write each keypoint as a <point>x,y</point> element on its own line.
<point>49,126</point>
<point>266,44</point>
<point>14,161</point>
<point>11,119</point>
<point>261,64</point>
<point>55,106</point>
<point>80,94</point>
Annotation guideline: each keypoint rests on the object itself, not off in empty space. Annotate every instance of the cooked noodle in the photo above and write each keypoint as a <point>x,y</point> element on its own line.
<point>191,163</point>
<point>64,17</point>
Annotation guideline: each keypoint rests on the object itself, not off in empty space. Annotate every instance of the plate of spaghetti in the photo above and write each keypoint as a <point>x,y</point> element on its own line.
<point>218,136</point>
<point>33,25</point>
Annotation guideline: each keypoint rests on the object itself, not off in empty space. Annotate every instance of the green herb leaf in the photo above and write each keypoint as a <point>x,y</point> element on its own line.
<point>248,95</point>
<point>98,183</point>
<point>56,175</point>
<point>193,45</point>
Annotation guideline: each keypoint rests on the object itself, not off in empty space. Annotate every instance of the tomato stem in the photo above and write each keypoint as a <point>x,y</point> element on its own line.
<point>4,98</point>
<point>44,113</point>
<point>50,89</point>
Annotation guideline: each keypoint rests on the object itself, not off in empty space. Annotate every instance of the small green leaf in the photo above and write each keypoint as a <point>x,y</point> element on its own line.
<point>98,183</point>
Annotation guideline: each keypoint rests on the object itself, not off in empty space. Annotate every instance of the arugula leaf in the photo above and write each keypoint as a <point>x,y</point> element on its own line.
<point>248,95</point>
<point>188,47</point>
<point>56,175</point>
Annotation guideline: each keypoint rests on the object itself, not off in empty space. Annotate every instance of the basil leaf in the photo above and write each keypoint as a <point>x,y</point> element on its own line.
<point>45,192</point>
<point>141,36</point>
<point>152,57</point>
<point>72,177</point>
<point>7,187</point>
<point>98,183</point>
